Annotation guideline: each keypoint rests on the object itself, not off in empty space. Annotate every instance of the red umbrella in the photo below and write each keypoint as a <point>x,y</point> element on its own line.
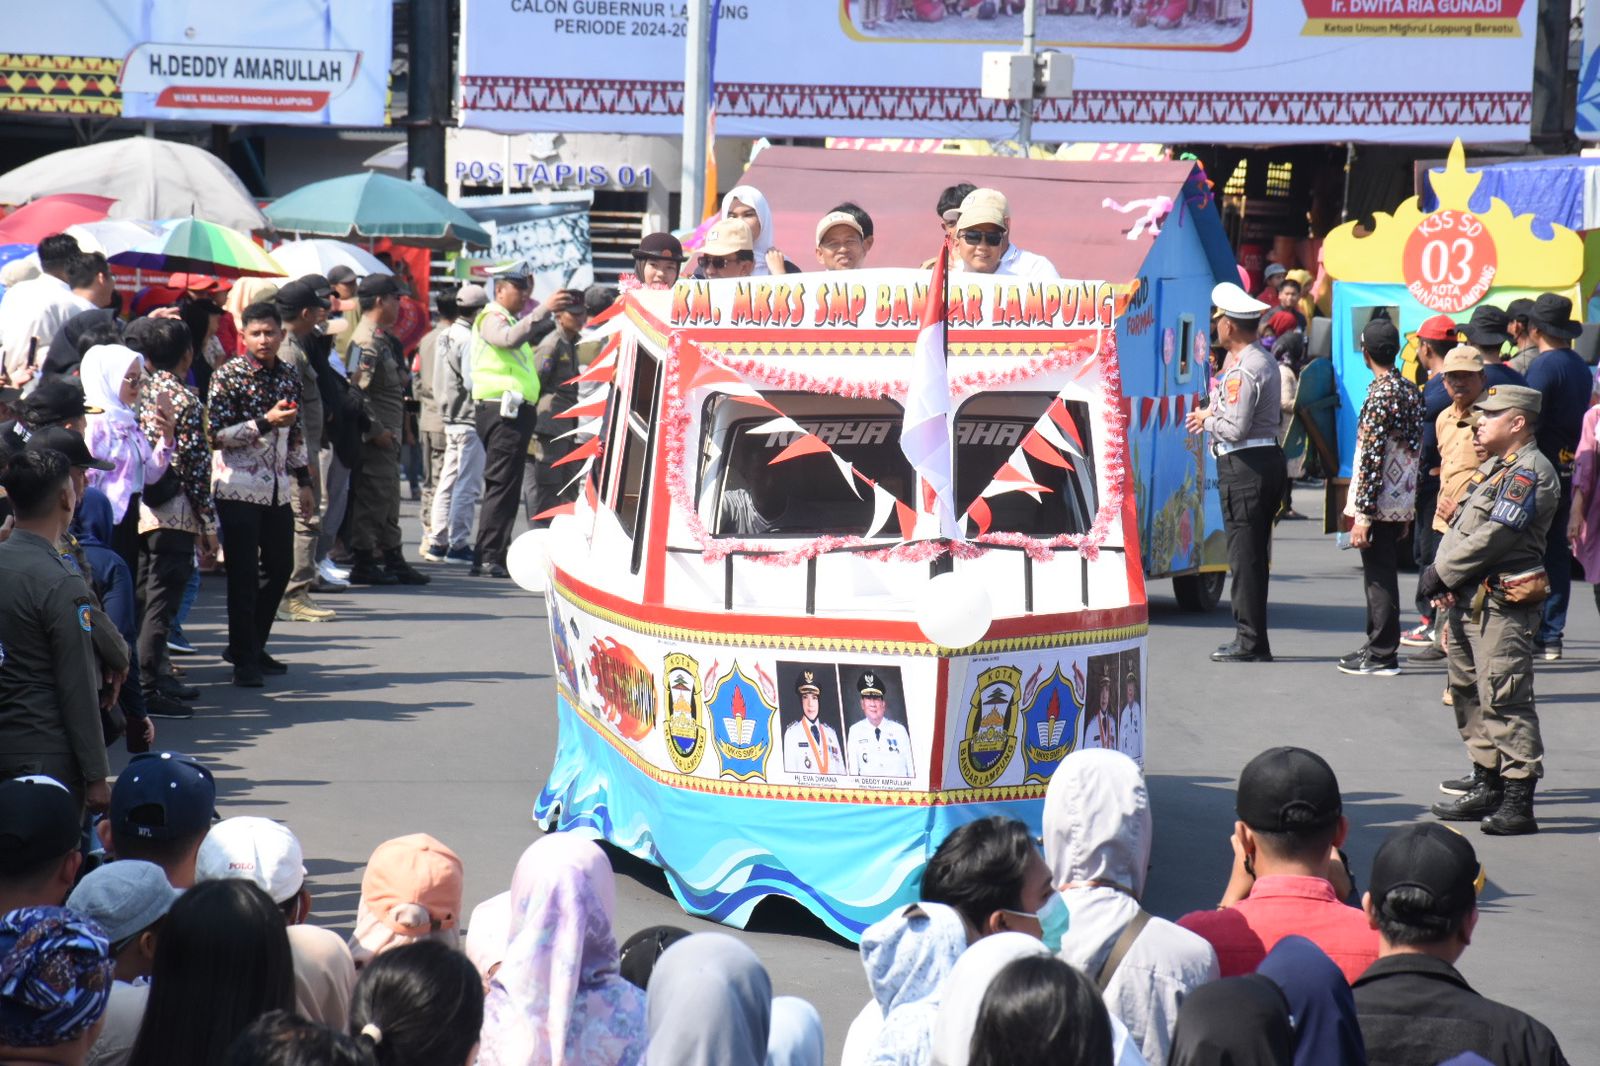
<point>33,222</point>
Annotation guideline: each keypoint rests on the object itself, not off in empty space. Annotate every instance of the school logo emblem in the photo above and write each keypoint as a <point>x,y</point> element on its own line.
<point>684,731</point>
<point>1049,726</point>
<point>989,744</point>
<point>741,719</point>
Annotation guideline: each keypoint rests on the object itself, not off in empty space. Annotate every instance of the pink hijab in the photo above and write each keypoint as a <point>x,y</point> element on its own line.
<point>558,997</point>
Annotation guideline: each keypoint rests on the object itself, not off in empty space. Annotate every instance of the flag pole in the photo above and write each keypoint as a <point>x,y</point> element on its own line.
<point>945,563</point>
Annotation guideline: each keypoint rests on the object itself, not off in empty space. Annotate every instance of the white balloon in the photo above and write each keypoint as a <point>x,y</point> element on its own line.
<point>954,610</point>
<point>528,562</point>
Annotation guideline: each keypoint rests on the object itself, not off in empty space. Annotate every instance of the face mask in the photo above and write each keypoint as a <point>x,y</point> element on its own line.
<point>1054,919</point>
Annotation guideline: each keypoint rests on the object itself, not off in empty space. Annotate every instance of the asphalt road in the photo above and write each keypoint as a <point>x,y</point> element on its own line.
<point>431,710</point>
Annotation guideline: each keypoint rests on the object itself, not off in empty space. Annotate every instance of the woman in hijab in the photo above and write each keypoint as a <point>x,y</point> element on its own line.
<point>1321,1004</point>
<point>796,1038</point>
<point>557,997</point>
<point>111,376</point>
<point>908,956</point>
<point>1238,1021</point>
<point>710,1004</point>
<point>324,975</point>
<point>745,203</point>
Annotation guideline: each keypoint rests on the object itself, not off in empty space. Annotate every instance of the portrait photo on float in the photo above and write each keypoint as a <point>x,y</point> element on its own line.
<point>809,716</point>
<point>877,740</point>
<point>1103,702</point>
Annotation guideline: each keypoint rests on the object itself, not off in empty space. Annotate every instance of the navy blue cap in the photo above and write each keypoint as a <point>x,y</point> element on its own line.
<point>38,821</point>
<point>163,795</point>
<point>519,272</point>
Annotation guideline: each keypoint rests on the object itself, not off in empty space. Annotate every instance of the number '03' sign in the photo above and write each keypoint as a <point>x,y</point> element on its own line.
<point>1449,261</point>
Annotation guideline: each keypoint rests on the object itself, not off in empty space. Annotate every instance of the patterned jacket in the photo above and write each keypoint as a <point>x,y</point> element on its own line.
<point>1388,436</point>
<point>251,461</point>
<point>190,510</point>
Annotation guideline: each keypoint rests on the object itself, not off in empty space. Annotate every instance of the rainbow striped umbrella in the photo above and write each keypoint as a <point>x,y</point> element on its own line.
<point>198,247</point>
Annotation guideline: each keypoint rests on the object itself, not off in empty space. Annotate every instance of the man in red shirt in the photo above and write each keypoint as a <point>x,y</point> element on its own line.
<point>1291,824</point>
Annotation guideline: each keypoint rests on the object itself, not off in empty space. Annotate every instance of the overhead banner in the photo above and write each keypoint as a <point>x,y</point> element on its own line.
<point>291,62</point>
<point>1158,70</point>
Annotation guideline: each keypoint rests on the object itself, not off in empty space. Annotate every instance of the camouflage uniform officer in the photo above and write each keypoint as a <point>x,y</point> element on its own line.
<point>1488,575</point>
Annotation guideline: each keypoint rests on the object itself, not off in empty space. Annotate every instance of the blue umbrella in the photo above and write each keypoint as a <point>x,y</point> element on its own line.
<point>367,206</point>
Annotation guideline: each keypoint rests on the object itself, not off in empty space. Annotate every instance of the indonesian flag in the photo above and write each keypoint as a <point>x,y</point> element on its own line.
<point>925,433</point>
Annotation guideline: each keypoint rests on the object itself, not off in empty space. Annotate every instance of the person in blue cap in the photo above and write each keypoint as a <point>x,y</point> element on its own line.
<point>161,809</point>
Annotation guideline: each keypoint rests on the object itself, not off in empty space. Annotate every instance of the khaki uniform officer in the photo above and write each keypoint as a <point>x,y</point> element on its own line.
<point>1489,576</point>
<point>379,373</point>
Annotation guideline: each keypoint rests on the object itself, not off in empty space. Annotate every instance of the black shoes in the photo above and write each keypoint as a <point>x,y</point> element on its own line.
<point>172,688</point>
<point>1233,653</point>
<point>160,705</point>
<point>265,664</point>
<point>366,571</point>
<point>248,677</point>
<point>395,565</point>
<point>1478,802</point>
<point>1514,818</point>
<point>1370,665</point>
<point>1431,654</point>
<point>1460,786</point>
<point>492,570</point>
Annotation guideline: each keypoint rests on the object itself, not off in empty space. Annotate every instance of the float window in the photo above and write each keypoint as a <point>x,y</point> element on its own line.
<point>990,429</point>
<point>638,433</point>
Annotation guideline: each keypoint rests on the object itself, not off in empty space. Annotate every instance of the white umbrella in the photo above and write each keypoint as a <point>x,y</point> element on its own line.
<point>299,258</point>
<point>149,179</point>
<point>110,237</point>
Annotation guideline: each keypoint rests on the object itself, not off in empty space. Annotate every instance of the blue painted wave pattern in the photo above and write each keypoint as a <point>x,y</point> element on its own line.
<point>848,864</point>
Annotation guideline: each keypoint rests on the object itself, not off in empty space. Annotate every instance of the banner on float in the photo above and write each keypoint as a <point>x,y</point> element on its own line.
<point>1288,71</point>
<point>289,62</point>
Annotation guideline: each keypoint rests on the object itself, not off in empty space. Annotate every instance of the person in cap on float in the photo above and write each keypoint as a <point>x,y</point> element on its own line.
<point>746,204</point>
<point>1423,902</point>
<point>304,312</point>
<point>455,496</point>
<point>39,838</point>
<point>1489,579</point>
<point>1243,418</point>
<point>162,807</point>
<point>878,746</point>
<point>1517,312</point>
<point>811,746</point>
<point>410,891</point>
<point>842,243</point>
<point>657,260</point>
<point>57,968</point>
<point>1285,855</point>
<point>128,901</point>
<point>727,251</point>
<point>49,679</point>
<point>1566,385</point>
<point>982,241</point>
<point>379,374</point>
<point>1382,500</point>
<point>1272,276</point>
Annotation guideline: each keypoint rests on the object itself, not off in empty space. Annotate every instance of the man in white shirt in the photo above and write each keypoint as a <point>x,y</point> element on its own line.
<point>32,312</point>
<point>1130,721</point>
<point>879,746</point>
<point>982,240</point>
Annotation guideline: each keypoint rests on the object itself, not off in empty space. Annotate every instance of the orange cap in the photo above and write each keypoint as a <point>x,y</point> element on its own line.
<point>408,872</point>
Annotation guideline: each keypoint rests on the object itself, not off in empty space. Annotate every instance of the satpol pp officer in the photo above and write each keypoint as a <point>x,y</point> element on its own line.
<point>1488,579</point>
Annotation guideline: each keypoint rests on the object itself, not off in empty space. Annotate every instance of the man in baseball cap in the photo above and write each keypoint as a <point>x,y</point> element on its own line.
<point>1291,824</point>
<point>57,401</point>
<point>259,850</point>
<point>128,900</point>
<point>1423,903</point>
<point>70,444</point>
<point>729,251</point>
<point>841,242</point>
<point>39,839</point>
<point>981,240</point>
<point>162,807</point>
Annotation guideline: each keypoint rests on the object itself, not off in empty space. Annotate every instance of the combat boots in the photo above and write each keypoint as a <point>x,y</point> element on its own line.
<point>366,571</point>
<point>394,563</point>
<point>1514,818</point>
<point>1480,801</point>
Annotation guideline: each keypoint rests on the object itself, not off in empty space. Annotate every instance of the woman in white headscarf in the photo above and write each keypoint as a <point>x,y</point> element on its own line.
<point>796,1038</point>
<point>907,956</point>
<point>111,375</point>
<point>709,1004</point>
<point>745,203</point>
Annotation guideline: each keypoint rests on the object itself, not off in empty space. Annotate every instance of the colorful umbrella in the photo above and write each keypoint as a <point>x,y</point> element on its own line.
<point>33,222</point>
<point>202,248</point>
<point>111,236</point>
<point>364,206</point>
<point>299,258</point>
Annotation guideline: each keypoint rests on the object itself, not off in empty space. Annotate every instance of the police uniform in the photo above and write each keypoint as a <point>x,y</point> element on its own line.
<point>811,746</point>
<point>49,684</point>
<point>882,750</point>
<point>1491,558</point>
<point>1243,420</point>
<point>380,375</point>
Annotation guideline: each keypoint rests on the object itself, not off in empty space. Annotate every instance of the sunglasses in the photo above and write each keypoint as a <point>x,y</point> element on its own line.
<point>717,262</point>
<point>975,237</point>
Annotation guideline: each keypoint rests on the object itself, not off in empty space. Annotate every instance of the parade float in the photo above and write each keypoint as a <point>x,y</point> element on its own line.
<point>790,660</point>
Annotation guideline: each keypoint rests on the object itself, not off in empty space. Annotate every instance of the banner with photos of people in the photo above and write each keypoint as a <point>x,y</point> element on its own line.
<point>548,231</point>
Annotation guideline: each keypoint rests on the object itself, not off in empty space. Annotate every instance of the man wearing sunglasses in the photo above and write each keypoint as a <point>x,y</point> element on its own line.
<point>728,252</point>
<point>982,240</point>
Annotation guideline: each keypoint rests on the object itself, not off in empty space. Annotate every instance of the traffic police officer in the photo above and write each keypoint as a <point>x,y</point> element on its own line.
<point>879,746</point>
<point>1243,418</point>
<point>49,682</point>
<point>1489,578</point>
<point>379,374</point>
<point>810,746</point>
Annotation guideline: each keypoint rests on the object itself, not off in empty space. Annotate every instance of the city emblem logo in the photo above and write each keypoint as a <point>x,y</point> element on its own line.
<point>741,717</point>
<point>989,744</point>
<point>685,731</point>
<point>1049,726</point>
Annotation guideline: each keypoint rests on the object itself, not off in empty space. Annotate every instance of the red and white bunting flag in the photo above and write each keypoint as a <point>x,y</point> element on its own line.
<point>587,450</point>
<point>981,516</point>
<point>925,431</point>
<point>883,505</point>
<point>558,509</point>
<point>848,472</point>
<point>810,444</point>
<point>1036,445</point>
<point>592,409</point>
